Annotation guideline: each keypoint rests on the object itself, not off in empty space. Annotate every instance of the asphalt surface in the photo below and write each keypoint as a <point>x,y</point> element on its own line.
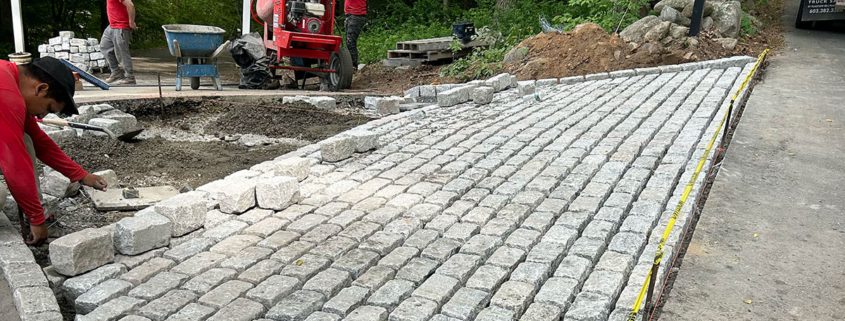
<point>769,244</point>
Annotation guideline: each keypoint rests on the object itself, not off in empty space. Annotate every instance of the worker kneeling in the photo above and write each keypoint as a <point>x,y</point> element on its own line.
<point>28,91</point>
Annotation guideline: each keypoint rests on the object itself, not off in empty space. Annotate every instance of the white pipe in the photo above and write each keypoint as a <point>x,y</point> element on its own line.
<point>17,25</point>
<point>246,17</point>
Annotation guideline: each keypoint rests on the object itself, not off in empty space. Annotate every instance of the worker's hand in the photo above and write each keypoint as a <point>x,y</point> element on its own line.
<point>95,181</point>
<point>132,25</point>
<point>38,234</point>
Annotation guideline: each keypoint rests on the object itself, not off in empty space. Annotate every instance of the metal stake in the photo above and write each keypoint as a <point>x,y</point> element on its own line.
<point>727,123</point>
<point>159,86</point>
<point>649,304</point>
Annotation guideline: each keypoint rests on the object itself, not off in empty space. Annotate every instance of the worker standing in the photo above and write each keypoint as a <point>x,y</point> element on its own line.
<point>28,91</point>
<point>115,42</point>
<point>356,17</point>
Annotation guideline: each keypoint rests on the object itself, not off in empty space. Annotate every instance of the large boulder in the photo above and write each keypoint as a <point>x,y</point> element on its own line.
<point>674,16</point>
<point>708,8</point>
<point>517,54</point>
<point>637,30</point>
<point>707,23</point>
<point>727,17</point>
<point>658,32</point>
<point>678,32</point>
<point>675,4</point>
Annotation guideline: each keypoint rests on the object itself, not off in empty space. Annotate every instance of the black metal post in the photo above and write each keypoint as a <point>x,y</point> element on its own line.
<point>697,17</point>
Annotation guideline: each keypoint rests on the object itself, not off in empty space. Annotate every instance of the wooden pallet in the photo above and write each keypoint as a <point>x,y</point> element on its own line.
<point>417,52</point>
<point>433,44</point>
<point>426,56</point>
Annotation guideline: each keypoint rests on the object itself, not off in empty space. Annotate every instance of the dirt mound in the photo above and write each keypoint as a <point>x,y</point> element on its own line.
<point>586,49</point>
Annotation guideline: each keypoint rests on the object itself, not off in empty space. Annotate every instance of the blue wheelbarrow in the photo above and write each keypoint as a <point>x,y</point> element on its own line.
<point>196,49</point>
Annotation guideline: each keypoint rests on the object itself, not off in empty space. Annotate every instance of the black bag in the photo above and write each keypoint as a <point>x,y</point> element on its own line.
<point>250,55</point>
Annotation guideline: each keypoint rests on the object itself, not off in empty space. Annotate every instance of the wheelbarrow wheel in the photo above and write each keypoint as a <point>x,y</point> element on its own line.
<point>341,62</point>
<point>195,81</point>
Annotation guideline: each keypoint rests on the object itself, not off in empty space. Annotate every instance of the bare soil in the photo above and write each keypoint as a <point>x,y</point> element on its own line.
<point>388,80</point>
<point>158,161</point>
<point>204,150</point>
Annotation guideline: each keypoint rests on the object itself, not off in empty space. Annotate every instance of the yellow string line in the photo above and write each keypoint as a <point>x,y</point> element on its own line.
<point>658,256</point>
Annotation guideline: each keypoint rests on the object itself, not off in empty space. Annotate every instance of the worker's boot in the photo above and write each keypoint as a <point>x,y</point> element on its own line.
<point>126,81</point>
<point>115,76</point>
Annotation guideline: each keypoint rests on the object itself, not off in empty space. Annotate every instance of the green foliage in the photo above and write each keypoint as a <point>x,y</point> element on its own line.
<point>609,14</point>
<point>747,26</point>
<point>482,63</point>
<point>375,42</point>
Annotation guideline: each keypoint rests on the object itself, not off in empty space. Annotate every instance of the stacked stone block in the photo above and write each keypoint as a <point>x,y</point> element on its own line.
<point>82,53</point>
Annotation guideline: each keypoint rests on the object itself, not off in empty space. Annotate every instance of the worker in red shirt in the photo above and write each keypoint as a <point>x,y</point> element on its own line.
<point>28,91</point>
<point>115,42</point>
<point>356,18</point>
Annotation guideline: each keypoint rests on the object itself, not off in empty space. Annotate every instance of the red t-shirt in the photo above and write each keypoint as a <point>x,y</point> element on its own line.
<point>356,7</point>
<point>118,14</point>
<point>14,160</point>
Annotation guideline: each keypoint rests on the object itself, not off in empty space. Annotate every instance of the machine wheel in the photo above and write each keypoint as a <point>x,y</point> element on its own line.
<point>342,63</point>
<point>798,23</point>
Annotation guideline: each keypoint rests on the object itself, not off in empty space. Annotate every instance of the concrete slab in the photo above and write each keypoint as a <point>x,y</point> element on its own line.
<point>769,242</point>
<point>113,200</point>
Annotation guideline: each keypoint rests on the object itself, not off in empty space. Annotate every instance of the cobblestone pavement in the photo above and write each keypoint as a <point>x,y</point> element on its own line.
<point>532,208</point>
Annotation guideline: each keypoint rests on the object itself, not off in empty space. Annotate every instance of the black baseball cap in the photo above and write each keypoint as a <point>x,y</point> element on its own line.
<point>63,76</point>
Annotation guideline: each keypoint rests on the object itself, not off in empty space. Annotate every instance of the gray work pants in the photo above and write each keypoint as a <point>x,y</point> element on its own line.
<point>115,46</point>
<point>354,25</point>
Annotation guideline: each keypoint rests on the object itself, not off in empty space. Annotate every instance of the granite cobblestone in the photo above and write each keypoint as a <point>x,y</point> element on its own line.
<point>514,210</point>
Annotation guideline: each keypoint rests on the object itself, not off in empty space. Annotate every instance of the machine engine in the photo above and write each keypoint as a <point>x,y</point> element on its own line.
<point>305,15</point>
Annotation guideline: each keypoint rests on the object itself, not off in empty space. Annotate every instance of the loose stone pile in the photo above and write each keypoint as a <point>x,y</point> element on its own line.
<point>528,207</point>
<point>671,24</point>
<point>82,53</point>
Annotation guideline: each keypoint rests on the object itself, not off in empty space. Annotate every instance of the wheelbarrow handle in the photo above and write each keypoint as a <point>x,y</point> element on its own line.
<point>177,48</point>
<point>220,49</point>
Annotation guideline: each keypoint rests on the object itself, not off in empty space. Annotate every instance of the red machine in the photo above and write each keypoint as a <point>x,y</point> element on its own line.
<point>301,37</point>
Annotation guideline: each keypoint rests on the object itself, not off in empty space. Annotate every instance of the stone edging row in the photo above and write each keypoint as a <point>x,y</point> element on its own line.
<point>29,287</point>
